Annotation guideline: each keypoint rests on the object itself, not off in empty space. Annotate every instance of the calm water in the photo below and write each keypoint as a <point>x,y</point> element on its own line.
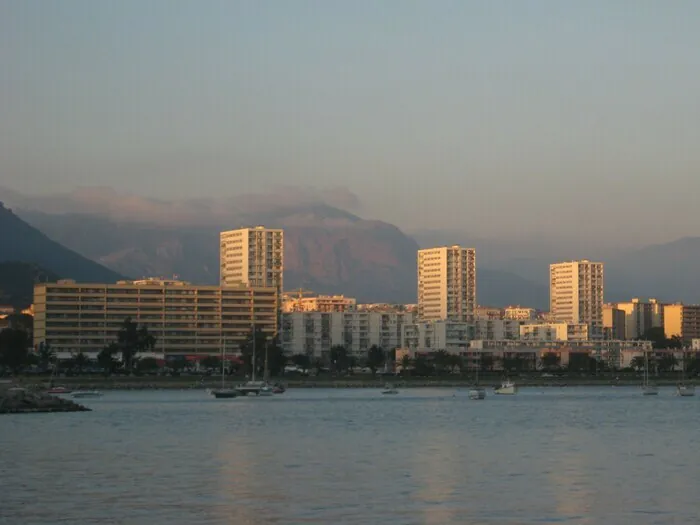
<point>572,455</point>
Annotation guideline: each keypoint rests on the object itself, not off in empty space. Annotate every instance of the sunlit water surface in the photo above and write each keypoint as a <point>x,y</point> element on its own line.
<point>426,456</point>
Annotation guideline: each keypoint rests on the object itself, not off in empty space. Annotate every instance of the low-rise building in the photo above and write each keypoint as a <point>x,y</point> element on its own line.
<point>682,320</point>
<point>488,312</point>
<point>315,333</point>
<point>613,322</point>
<point>496,329</point>
<point>184,318</point>
<point>320,303</point>
<point>520,313</point>
<point>554,332</point>
<point>430,336</point>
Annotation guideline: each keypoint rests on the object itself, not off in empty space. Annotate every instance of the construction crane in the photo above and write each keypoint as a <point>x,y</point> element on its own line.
<point>298,298</point>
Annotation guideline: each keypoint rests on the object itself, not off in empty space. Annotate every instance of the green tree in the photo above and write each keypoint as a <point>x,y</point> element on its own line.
<point>301,361</point>
<point>106,359</point>
<point>406,363</point>
<point>14,349</point>
<point>210,361</point>
<point>391,355</point>
<point>638,363</point>
<point>579,362</point>
<point>254,344</point>
<point>486,362</point>
<point>422,367</point>
<point>550,361</point>
<point>375,358</point>
<point>132,340</point>
<point>441,360</point>
<point>46,356</point>
<point>80,361</point>
<point>667,363</point>
<point>147,364</point>
<point>455,361</point>
<point>339,358</point>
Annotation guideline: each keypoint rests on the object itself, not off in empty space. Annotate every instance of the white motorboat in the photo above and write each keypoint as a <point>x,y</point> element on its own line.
<point>86,393</point>
<point>507,388</point>
<point>477,393</point>
<point>685,390</point>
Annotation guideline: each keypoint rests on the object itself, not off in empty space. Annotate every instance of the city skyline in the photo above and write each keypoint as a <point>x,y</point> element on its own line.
<point>433,115</point>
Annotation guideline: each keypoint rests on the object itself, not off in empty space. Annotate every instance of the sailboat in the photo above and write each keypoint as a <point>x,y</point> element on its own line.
<point>223,392</point>
<point>682,389</point>
<point>647,388</point>
<point>258,388</point>
<point>477,392</point>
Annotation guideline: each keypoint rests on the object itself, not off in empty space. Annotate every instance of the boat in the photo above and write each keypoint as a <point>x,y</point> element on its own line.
<point>223,392</point>
<point>682,389</point>
<point>278,389</point>
<point>477,392</point>
<point>389,390</point>
<point>253,387</point>
<point>507,388</point>
<point>59,390</point>
<point>647,388</point>
<point>86,393</point>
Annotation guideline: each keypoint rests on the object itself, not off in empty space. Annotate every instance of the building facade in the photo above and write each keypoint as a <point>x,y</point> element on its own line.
<point>641,316</point>
<point>321,303</point>
<point>252,257</point>
<point>496,329</point>
<point>682,320</point>
<point>447,284</point>
<point>613,322</point>
<point>576,294</point>
<point>430,336</point>
<point>314,333</point>
<point>184,318</point>
<point>553,332</point>
<point>520,313</point>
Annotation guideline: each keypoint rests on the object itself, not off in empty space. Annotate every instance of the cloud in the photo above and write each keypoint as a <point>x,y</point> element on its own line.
<point>113,204</point>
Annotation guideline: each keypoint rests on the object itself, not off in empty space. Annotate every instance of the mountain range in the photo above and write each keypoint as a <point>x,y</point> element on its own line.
<point>327,248</point>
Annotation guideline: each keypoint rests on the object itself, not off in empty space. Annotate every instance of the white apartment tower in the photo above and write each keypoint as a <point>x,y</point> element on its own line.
<point>447,284</point>
<point>252,256</point>
<point>576,294</point>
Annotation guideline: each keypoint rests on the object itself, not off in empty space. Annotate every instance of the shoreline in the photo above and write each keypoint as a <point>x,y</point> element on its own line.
<point>179,383</point>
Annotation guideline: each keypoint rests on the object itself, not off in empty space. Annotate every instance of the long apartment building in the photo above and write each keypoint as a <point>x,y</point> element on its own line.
<point>252,257</point>
<point>320,303</point>
<point>447,284</point>
<point>682,320</point>
<point>184,318</point>
<point>314,333</point>
<point>576,294</point>
<point>640,316</point>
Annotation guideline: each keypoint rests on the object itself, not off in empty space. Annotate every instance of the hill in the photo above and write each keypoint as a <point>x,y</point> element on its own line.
<point>21,242</point>
<point>327,249</point>
<point>17,282</point>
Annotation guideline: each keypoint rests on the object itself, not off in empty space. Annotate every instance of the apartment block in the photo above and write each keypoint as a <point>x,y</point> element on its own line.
<point>431,336</point>
<point>682,320</point>
<point>447,284</point>
<point>496,329</point>
<point>488,312</point>
<point>520,313</point>
<point>314,333</point>
<point>613,322</point>
<point>641,316</point>
<point>252,257</point>
<point>576,294</point>
<point>184,318</point>
<point>553,332</point>
<point>321,303</point>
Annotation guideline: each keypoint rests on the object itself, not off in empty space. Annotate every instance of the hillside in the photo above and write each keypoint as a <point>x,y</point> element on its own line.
<point>17,282</point>
<point>21,242</point>
<point>327,249</point>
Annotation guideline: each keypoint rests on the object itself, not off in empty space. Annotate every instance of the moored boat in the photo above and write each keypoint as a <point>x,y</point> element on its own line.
<point>477,393</point>
<point>389,390</point>
<point>86,393</point>
<point>59,390</point>
<point>507,388</point>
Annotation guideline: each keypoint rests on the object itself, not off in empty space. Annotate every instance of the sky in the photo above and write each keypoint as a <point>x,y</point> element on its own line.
<point>502,118</point>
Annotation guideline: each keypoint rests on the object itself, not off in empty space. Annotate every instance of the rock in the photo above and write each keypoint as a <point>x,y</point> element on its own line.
<point>17,400</point>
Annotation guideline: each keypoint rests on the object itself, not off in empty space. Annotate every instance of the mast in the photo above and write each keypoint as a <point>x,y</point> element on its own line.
<point>266,371</point>
<point>223,358</point>
<point>253,375</point>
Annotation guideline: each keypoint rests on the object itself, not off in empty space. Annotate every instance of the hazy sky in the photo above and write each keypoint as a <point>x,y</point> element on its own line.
<point>554,117</point>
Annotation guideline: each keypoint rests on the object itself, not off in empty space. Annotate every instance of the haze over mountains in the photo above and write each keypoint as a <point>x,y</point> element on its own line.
<point>328,249</point>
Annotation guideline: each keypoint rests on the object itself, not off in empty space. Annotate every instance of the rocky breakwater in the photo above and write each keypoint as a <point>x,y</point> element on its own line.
<point>17,400</point>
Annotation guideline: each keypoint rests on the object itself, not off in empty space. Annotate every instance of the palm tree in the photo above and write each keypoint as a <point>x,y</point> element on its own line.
<point>375,358</point>
<point>80,361</point>
<point>550,361</point>
<point>441,359</point>
<point>406,363</point>
<point>638,363</point>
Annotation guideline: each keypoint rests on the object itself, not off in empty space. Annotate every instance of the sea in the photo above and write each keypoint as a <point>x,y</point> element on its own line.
<point>571,455</point>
